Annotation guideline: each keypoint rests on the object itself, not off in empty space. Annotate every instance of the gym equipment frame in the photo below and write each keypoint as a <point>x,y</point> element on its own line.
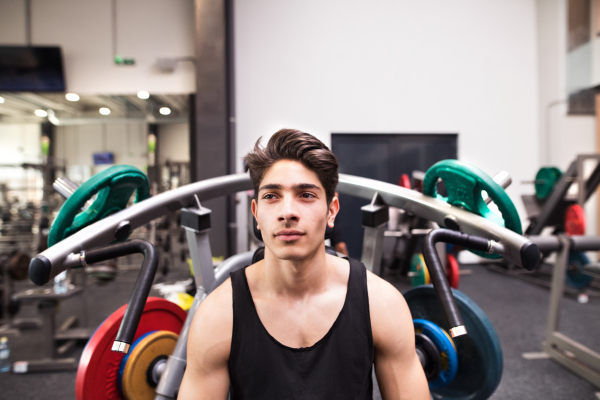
<point>71,252</point>
<point>570,354</point>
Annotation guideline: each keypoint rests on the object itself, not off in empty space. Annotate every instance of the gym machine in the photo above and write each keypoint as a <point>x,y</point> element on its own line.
<point>148,337</point>
<point>570,354</point>
<point>554,207</point>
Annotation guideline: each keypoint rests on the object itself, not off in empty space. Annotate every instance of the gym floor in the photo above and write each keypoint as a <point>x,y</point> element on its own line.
<point>518,311</point>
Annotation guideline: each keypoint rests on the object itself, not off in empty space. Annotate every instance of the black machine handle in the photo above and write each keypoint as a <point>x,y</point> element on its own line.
<point>438,277</point>
<point>142,287</point>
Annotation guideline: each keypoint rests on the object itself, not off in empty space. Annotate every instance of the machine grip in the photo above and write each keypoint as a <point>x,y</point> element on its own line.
<point>141,290</point>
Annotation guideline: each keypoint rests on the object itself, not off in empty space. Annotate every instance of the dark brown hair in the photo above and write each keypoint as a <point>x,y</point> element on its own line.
<point>291,144</point>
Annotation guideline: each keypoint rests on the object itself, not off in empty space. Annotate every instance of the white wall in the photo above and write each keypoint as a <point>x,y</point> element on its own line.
<point>21,144</point>
<point>146,30</point>
<point>173,142</point>
<point>393,66</point>
<point>76,144</point>
<point>561,137</point>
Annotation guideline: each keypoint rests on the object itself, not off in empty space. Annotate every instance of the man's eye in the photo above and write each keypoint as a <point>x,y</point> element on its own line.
<point>268,196</point>
<point>307,195</point>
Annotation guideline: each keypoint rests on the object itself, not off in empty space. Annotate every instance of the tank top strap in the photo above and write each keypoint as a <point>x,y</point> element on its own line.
<point>358,297</point>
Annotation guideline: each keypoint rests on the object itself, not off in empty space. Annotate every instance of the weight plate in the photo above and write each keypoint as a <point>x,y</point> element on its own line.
<point>479,353</point>
<point>575,220</point>
<point>99,366</point>
<point>404,181</point>
<point>465,185</point>
<point>575,276</point>
<point>134,368</point>
<point>419,275</point>
<point>113,187</point>
<point>545,179</point>
<point>452,271</point>
<point>446,348</point>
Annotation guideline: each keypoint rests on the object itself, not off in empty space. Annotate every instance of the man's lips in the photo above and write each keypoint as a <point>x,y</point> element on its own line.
<point>289,234</point>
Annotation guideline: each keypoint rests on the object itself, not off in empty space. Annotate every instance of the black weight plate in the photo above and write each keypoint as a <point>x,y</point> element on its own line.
<point>480,360</point>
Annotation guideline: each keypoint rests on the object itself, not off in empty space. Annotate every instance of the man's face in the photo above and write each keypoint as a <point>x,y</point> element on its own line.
<point>291,210</point>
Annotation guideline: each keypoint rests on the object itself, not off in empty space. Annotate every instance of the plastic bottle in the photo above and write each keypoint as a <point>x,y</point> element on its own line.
<point>60,283</point>
<point>4,355</point>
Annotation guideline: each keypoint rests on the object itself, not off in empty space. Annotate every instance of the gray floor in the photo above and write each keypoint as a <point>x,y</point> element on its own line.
<point>517,309</point>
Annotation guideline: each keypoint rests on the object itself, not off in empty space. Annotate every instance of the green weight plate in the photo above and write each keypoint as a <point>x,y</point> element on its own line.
<point>113,187</point>
<point>545,179</point>
<point>465,185</point>
<point>480,362</point>
<point>419,275</point>
<point>575,276</point>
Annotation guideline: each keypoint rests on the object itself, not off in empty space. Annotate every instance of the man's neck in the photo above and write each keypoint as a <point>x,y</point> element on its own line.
<point>296,278</point>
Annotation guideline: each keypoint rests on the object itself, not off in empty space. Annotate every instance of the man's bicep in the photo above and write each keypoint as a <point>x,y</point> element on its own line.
<point>209,342</point>
<point>399,372</point>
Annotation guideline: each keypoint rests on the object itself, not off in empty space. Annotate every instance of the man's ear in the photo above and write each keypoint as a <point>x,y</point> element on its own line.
<point>334,208</point>
<point>253,208</point>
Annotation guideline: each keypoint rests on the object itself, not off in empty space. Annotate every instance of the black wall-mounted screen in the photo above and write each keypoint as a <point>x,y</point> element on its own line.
<point>383,157</point>
<point>31,69</point>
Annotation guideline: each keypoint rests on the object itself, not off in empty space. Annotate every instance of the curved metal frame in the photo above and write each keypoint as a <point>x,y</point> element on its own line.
<point>65,254</point>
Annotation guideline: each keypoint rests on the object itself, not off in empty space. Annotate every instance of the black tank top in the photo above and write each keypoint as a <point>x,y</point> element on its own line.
<point>339,366</point>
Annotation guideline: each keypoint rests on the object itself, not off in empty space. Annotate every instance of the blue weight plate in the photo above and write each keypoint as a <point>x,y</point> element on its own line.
<point>446,348</point>
<point>479,353</point>
<point>575,276</point>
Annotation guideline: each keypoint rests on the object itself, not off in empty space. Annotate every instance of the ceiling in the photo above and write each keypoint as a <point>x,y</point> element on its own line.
<point>20,108</point>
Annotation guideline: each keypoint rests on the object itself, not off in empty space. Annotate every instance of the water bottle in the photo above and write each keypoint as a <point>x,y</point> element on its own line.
<point>4,355</point>
<point>60,283</point>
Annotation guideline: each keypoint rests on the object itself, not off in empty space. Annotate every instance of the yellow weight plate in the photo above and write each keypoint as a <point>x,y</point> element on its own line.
<point>135,383</point>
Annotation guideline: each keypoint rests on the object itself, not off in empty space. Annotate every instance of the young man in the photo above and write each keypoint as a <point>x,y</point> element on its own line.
<point>300,324</point>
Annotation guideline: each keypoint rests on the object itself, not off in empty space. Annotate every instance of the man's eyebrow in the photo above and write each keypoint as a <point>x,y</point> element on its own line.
<point>299,186</point>
<point>275,186</point>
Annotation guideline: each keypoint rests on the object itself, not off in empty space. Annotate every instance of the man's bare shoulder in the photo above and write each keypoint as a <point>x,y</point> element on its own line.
<point>210,333</point>
<point>391,321</point>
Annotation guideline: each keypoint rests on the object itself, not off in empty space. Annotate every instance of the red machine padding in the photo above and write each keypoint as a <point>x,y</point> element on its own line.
<point>99,366</point>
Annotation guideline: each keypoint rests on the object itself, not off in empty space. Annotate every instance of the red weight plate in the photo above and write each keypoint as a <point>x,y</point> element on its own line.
<point>575,220</point>
<point>404,181</point>
<point>452,271</point>
<point>99,366</point>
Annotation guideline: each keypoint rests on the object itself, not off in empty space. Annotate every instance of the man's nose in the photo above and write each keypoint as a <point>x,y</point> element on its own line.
<point>288,210</point>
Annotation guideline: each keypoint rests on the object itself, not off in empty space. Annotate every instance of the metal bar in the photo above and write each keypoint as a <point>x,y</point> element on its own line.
<point>582,353</point>
<point>201,255</point>
<point>65,253</point>
<point>558,287</point>
<point>589,375</point>
<point>171,378</point>
<point>372,250</point>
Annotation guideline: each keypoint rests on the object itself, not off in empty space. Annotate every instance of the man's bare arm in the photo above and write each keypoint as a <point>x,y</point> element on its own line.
<point>209,342</point>
<point>397,367</point>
